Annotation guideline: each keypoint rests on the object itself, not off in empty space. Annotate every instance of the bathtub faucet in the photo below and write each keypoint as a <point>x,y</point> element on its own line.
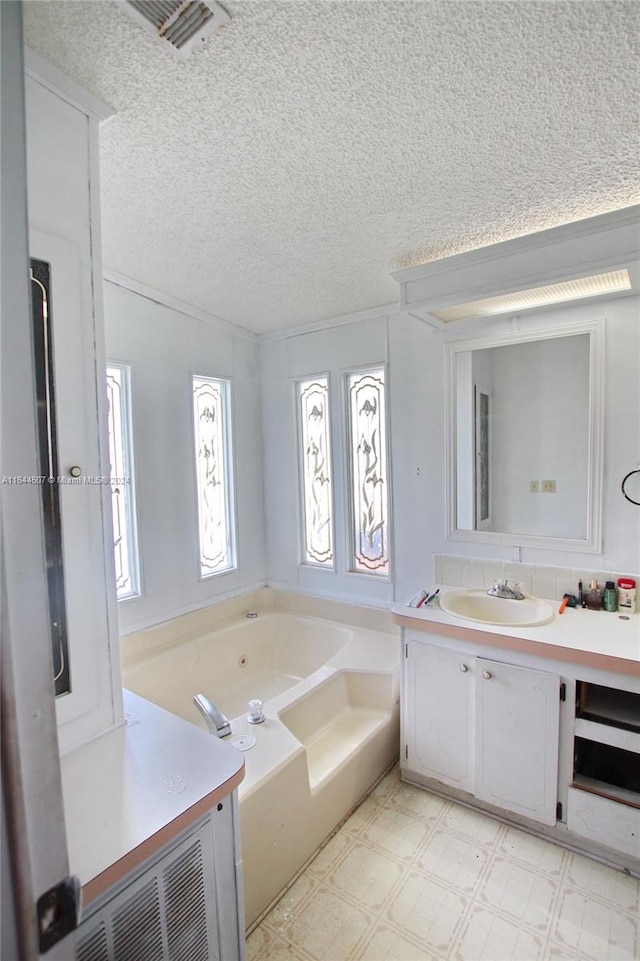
<point>215,720</point>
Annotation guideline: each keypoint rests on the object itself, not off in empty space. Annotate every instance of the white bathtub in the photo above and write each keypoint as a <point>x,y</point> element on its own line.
<point>330,694</point>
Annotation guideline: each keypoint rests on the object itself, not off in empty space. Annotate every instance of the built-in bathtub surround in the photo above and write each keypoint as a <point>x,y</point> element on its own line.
<point>330,692</point>
<point>135,644</point>
<point>537,579</point>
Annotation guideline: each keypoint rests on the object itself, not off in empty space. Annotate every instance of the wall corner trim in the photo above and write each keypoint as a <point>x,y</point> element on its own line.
<point>355,317</point>
<point>173,303</point>
<point>55,80</point>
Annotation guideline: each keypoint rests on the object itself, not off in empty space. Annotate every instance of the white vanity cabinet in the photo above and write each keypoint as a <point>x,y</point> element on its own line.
<point>482,726</point>
<point>517,739</point>
<point>438,710</point>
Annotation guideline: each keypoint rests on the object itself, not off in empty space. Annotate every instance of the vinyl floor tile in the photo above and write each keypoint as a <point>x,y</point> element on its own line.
<point>365,874</point>
<point>453,860</point>
<point>413,877</point>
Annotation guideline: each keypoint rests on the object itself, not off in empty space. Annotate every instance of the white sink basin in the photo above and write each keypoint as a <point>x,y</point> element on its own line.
<point>482,607</point>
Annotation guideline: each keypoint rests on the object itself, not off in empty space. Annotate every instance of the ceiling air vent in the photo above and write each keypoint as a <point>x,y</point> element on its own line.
<point>184,24</point>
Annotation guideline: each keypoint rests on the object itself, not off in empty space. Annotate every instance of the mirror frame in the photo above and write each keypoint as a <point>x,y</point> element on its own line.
<point>592,543</point>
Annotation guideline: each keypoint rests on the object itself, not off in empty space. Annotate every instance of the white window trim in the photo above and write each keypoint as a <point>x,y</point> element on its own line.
<point>126,415</point>
<point>298,447</point>
<point>229,475</point>
<point>349,525</point>
<point>342,480</point>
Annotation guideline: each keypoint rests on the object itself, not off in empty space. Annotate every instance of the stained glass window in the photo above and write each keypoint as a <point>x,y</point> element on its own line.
<point>122,492</point>
<point>213,462</point>
<point>369,476</point>
<point>313,410</point>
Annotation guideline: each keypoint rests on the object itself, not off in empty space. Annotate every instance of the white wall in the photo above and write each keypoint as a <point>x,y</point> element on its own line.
<point>417,449</point>
<point>417,433</point>
<point>285,359</point>
<point>63,195</point>
<point>164,346</point>
<point>418,439</point>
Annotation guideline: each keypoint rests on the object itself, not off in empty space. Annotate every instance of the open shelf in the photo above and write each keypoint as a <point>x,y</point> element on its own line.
<point>608,734</point>
<point>610,771</point>
<point>610,791</point>
<point>608,705</point>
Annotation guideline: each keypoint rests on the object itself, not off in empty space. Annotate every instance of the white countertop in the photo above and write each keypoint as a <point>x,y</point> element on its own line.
<point>600,638</point>
<point>129,792</point>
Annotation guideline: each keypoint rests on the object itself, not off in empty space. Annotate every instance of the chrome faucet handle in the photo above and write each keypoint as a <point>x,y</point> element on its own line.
<point>256,715</point>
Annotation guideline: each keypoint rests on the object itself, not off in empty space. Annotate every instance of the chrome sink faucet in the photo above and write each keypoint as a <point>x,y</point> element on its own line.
<point>502,589</point>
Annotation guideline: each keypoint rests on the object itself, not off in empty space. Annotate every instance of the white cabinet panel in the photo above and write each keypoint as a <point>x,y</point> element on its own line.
<point>517,715</point>
<point>439,702</point>
<point>604,821</point>
<point>481,726</point>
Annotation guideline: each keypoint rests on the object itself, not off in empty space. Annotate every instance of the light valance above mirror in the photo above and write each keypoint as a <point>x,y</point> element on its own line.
<point>524,426</point>
<point>575,262</point>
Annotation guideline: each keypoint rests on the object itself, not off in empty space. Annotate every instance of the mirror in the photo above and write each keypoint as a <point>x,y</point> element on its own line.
<point>524,438</point>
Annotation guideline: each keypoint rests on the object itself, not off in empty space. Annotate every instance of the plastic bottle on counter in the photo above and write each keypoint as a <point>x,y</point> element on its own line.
<point>626,595</point>
<point>610,597</point>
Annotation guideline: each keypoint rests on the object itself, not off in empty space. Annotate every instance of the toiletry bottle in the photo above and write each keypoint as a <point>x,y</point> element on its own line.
<point>610,597</point>
<point>594,597</point>
<point>626,595</point>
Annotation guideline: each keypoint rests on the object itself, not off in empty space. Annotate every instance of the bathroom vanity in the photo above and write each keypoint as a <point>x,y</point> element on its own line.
<point>539,725</point>
<point>152,826</point>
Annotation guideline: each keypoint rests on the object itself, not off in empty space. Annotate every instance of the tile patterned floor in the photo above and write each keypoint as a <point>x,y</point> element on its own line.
<point>413,877</point>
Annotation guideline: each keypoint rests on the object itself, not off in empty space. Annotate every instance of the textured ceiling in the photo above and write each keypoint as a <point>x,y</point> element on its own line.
<point>311,147</point>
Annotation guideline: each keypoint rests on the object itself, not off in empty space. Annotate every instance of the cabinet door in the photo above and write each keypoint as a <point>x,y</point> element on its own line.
<point>517,721</point>
<point>438,702</point>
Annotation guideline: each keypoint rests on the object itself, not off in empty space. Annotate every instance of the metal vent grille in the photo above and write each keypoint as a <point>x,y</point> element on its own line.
<point>157,12</point>
<point>181,23</point>
<point>167,913</point>
<point>95,946</point>
<point>186,910</point>
<point>137,927</point>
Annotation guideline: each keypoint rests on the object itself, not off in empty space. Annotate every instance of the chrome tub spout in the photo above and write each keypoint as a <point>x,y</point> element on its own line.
<point>215,720</point>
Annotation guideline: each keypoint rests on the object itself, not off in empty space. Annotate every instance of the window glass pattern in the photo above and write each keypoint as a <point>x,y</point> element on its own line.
<point>369,476</point>
<point>313,409</point>
<point>122,504</point>
<point>212,454</point>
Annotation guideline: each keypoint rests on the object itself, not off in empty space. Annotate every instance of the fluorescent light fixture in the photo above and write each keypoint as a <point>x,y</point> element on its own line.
<point>568,290</point>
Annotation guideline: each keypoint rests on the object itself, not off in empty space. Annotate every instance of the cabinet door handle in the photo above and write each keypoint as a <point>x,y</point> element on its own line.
<point>487,675</point>
<point>464,668</point>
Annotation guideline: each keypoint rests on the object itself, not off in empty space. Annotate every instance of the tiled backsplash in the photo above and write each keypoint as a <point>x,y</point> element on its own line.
<point>541,581</point>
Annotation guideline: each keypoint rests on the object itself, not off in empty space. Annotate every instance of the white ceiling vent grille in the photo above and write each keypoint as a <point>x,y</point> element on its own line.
<point>184,24</point>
